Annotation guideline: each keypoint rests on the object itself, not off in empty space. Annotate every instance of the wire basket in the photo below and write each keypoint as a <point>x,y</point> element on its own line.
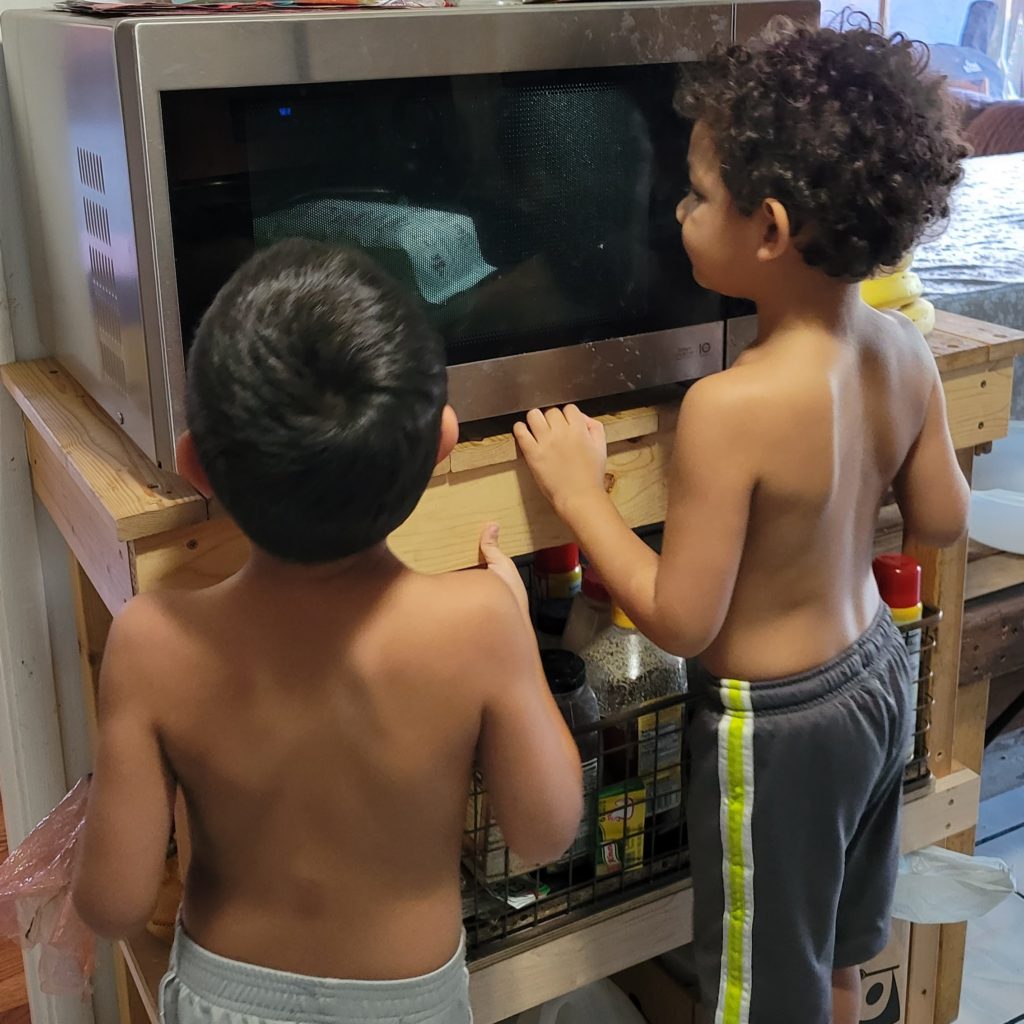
<point>633,836</point>
<point>926,633</point>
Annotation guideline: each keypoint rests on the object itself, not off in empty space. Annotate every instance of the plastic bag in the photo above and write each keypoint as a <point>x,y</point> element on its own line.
<point>937,886</point>
<point>35,898</point>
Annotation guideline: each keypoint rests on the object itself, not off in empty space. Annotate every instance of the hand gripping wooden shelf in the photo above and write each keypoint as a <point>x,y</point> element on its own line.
<point>133,527</point>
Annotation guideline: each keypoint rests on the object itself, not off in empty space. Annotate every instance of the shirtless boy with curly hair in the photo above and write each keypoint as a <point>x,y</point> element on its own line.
<point>816,158</point>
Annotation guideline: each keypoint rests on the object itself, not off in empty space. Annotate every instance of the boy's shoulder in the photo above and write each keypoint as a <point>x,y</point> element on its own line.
<point>474,598</point>
<point>148,646</point>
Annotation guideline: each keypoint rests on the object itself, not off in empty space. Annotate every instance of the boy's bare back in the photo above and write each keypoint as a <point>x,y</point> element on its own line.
<point>322,709</point>
<point>323,726</point>
<point>824,423</point>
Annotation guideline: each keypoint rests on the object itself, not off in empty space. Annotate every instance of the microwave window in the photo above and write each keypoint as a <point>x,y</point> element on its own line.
<point>527,210</point>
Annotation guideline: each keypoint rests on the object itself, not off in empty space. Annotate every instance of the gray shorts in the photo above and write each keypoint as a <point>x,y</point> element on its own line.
<point>794,823</point>
<point>203,988</point>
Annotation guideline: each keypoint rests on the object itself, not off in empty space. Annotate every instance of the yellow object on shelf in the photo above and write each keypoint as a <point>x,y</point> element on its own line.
<point>922,312</point>
<point>893,291</point>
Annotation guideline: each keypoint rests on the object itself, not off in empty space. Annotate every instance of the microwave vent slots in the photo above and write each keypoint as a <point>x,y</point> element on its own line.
<point>113,368</point>
<point>107,316</point>
<point>97,220</point>
<point>90,171</point>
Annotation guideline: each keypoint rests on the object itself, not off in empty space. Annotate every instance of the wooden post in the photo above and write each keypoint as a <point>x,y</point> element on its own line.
<point>935,951</point>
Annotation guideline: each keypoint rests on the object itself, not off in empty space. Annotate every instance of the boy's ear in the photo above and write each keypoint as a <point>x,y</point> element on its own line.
<point>449,433</point>
<point>188,464</point>
<point>776,237</point>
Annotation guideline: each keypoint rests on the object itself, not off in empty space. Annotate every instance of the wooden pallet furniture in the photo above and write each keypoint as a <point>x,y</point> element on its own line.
<point>132,527</point>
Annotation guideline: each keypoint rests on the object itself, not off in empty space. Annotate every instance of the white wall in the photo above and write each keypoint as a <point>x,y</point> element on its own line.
<point>38,759</point>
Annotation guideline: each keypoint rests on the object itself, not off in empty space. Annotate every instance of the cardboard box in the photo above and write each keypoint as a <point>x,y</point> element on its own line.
<point>659,997</point>
<point>884,980</point>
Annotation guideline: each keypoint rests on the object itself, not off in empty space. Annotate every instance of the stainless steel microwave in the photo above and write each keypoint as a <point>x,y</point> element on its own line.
<point>517,167</point>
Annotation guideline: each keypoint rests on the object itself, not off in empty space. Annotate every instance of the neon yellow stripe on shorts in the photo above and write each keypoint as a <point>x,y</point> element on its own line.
<point>736,780</point>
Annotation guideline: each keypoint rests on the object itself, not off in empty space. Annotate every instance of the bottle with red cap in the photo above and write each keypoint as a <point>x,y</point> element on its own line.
<point>899,583</point>
<point>591,613</point>
<point>557,578</point>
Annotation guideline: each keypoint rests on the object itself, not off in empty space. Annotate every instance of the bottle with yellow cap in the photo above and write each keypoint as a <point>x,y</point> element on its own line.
<point>626,669</point>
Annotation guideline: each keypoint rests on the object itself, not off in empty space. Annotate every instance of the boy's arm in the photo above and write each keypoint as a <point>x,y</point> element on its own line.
<point>930,488</point>
<point>131,799</point>
<point>530,764</point>
<point>679,600</point>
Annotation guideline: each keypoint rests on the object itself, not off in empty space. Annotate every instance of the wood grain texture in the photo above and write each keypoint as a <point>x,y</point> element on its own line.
<point>961,341</point>
<point>921,979</point>
<point>444,531</point>
<point>190,557</point>
<point>978,404</point>
<point>89,532</point>
<point>943,574</point>
<point>993,636</point>
<point>98,456</point>
<point>92,624</point>
<point>946,808</point>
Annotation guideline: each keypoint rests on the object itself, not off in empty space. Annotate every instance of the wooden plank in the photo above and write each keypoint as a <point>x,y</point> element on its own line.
<point>489,451</point>
<point>969,750</point>
<point>993,637</point>
<point>992,573</point>
<point>607,943</point>
<point>189,558</point>
<point>501,448</point>
<point>943,588</point>
<point>146,958</point>
<point>948,806</point>
<point>960,341</point>
<point>89,532</point>
<point>924,962</point>
<point>444,531</point>
<point>98,456</point>
<point>92,624</point>
<point>978,404</point>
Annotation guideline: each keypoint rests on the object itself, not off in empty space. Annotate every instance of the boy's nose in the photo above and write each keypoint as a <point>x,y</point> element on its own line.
<point>681,209</point>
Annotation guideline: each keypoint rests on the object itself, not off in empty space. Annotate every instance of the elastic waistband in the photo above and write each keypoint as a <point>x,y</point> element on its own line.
<point>264,992</point>
<point>877,642</point>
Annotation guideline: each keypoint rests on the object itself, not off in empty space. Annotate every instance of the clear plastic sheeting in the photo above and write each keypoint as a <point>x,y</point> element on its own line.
<point>35,898</point>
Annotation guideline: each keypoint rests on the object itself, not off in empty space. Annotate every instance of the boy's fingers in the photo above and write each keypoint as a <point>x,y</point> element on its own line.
<point>555,418</point>
<point>537,423</point>
<point>573,415</point>
<point>489,543</point>
<point>522,434</point>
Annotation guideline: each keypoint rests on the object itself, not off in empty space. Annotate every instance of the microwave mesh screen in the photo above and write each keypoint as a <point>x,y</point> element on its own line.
<point>525,210</point>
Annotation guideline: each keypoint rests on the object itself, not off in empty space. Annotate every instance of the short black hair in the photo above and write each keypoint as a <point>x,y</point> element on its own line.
<point>315,394</point>
<point>847,128</point>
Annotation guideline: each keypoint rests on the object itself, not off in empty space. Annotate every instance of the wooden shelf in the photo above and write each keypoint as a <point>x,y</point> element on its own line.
<point>613,939</point>
<point>134,527</point>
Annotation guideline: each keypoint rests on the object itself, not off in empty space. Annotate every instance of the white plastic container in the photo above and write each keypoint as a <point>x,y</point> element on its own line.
<point>997,500</point>
<point>603,1002</point>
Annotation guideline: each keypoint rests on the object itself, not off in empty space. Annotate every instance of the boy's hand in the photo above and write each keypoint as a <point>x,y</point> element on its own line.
<point>566,452</point>
<point>502,566</point>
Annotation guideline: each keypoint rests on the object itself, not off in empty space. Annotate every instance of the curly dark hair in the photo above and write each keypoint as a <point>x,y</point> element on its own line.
<point>847,129</point>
